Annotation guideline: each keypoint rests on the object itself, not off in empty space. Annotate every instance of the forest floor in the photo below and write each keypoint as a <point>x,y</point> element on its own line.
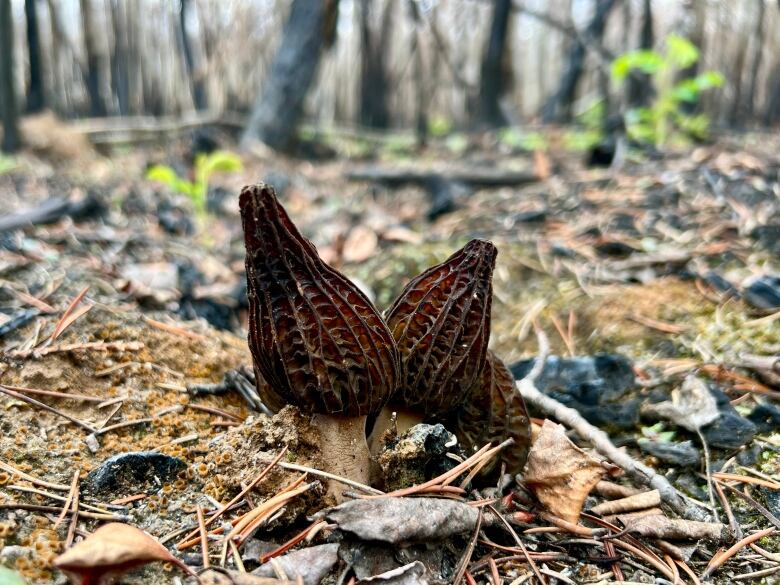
<point>121,306</point>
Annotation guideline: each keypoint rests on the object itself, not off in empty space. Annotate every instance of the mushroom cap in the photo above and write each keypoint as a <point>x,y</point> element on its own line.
<point>495,412</point>
<point>315,338</point>
<point>441,324</point>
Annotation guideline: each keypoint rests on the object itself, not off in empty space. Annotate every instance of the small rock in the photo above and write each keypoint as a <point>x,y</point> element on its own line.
<point>418,455</point>
<point>128,473</point>
<point>682,454</point>
<point>764,292</point>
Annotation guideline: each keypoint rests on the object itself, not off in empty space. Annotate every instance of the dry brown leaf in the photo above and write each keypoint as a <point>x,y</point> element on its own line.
<point>360,245</point>
<point>692,405</point>
<point>111,550</point>
<point>561,474</point>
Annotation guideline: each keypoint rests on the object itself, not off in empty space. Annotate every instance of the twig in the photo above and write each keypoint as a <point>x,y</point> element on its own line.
<point>74,486</point>
<point>761,510</point>
<point>204,538</point>
<point>94,346</point>
<point>74,519</point>
<point>326,475</point>
<point>466,558</point>
<point>718,560</point>
<point>30,490</point>
<point>127,423</point>
<point>519,543</point>
<point>40,508</point>
<point>51,409</point>
<point>34,480</point>
<point>185,541</point>
<point>570,417</point>
<point>65,395</point>
<point>736,529</point>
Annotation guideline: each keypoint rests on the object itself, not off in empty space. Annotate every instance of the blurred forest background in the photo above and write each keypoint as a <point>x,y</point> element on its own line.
<point>403,64</point>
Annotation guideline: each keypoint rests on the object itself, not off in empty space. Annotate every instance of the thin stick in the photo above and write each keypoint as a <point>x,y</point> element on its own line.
<point>34,402</point>
<point>33,480</point>
<point>82,397</point>
<point>74,519</point>
<point>204,538</point>
<point>29,490</point>
<point>718,560</point>
<point>82,514</point>
<point>519,543</point>
<point>736,529</point>
<point>236,556</point>
<point>761,510</point>
<point>338,478</point>
<point>127,423</point>
<point>466,558</point>
<point>240,495</point>
<point>93,345</point>
<point>573,419</point>
<point>74,486</point>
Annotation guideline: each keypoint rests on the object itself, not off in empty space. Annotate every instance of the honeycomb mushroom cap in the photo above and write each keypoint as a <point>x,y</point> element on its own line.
<point>495,412</point>
<point>441,324</point>
<point>316,339</point>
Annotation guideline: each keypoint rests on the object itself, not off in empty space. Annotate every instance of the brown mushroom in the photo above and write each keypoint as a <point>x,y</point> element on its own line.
<point>494,412</point>
<point>316,340</point>
<point>441,324</point>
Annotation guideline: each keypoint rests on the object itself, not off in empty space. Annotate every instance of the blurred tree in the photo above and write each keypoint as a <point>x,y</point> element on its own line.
<point>374,89</point>
<point>492,72</point>
<point>93,81</point>
<point>194,69</point>
<point>275,116</point>
<point>559,107</point>
<point>36,95</point>
<point>11,138</point>
<point>755,65</point>
<point>120,67</point>
<point>639,89</point>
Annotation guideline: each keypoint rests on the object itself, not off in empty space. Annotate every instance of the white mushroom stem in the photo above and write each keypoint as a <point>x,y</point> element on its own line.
<point>391,417</point>
<point>344,449</point>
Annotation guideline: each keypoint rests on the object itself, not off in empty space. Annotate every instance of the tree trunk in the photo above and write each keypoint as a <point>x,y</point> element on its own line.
<point>11,138</point>
<point>755,67</point>
<point>492,81</point>
<point>194,68</point>
<point>278,109</point>
<point>737,75</point>
<point>639,87</point>
<point>120,78</point>
<point>93,81</point>
<point>559,106</point>
<point>772,110</point>
<point>374,84</point>
<point>36,97</point>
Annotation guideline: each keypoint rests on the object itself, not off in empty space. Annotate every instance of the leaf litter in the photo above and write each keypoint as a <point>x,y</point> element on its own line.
<point>655,264</point>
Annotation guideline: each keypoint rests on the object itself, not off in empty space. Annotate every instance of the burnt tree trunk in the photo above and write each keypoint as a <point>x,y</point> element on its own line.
<point>194,69</point>
<point>559,106</point>
<point>492,82</point>
<point>639,89</point>
<point>278,109</point>
<point>120,78</point>
<point>374,81</point>
<point>36,95</point>
<point>93,81</point>
<point>755,66</point>
<point>11,138</point>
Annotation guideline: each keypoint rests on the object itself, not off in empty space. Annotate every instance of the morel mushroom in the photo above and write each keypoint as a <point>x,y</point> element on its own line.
<point>316,340</point>
<point>441,324</point>
<point>496,412</point>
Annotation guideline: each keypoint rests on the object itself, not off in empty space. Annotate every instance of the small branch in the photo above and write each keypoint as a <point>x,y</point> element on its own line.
<point>599,439</point>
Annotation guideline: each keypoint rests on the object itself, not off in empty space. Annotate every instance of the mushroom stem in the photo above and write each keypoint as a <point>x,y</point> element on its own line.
<point>344,449</point>
<point>403,420</point>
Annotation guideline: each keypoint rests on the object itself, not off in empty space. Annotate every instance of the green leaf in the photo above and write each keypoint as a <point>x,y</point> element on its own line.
<point>709,79</point>
<point>218,161</point>
<point>439,126</point>
<point>681,52</point>
<point>644,60</point>
<point>686,91</point>
<point>163,174</point>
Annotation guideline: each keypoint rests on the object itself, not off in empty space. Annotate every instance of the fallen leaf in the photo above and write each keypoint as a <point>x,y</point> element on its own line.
<point>226,577</point>
<point>403,520</point>
<point>561,474</point>
<point>360,245</point>
<point>311,564</point>
<point>111,550</point>
<point>692,405</point>
<point>659,526</point>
